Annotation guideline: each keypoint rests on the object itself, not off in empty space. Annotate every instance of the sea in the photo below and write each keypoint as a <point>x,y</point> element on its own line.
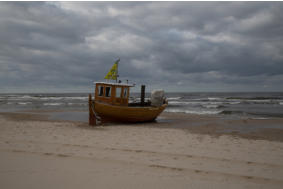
<point>241,104</point>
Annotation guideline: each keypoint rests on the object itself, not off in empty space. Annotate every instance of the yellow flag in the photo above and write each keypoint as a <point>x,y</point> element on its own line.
<point>113,73</point>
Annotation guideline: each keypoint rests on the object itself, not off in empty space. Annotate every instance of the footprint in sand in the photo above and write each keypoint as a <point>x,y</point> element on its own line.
<point>63,155</point>
<point>48,154</point>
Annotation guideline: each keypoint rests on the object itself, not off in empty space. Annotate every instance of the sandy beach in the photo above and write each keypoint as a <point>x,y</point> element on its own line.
<point>203,79</point>
<point>180,151</point>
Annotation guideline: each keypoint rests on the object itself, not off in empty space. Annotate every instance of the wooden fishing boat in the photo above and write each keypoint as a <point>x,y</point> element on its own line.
<point>111,102</point>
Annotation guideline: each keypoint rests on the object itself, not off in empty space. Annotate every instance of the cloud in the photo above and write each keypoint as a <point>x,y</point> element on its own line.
<point>193,46</point>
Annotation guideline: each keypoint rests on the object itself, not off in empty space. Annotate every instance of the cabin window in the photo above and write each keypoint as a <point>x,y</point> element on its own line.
<point>100,92</point>
<point>118,92</point>
<point>108,91</point>
<point>125,92</point>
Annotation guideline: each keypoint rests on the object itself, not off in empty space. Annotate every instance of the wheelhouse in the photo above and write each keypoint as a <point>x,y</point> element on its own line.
<point>112,93</point>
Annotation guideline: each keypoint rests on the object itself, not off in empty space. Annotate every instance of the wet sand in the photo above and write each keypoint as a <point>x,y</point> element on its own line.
<point>178,151</point>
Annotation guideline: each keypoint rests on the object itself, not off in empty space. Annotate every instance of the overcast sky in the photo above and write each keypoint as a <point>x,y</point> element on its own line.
<point>177,46</point>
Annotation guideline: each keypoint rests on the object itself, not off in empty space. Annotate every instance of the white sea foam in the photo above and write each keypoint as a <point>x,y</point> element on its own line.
<point>198,112</point>
<point>23,103</point>
<point>77,104</point>
<point>26,97</point>
<point>201,112</point>
<point>181,103</point>
<point>51,98</point>
<point>260,118</point>
<point>52,104</point>
<point>271,101</point>
<point>211,106</point>
<point>77,98</point>
<point>259,101</point>
<point>12,95</point>
<point>63,98</point>
<point>195,103</point>
<point>233,102</point>
<point>281,103</point>
<point>213,103</point>
<point>199,99</point>
<point>213,98</point>
<point>174,98</point>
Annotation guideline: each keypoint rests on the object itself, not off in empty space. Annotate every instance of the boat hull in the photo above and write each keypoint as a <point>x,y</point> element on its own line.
<point>127,113</point>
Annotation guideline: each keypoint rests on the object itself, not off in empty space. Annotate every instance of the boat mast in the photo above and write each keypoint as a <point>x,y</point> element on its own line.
<point>117,71</point>
<point>117,75</point>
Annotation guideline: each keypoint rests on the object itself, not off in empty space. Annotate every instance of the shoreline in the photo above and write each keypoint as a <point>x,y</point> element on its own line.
<point>213,125</point>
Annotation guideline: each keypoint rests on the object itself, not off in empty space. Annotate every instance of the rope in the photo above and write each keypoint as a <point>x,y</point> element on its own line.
<point>96,116</point>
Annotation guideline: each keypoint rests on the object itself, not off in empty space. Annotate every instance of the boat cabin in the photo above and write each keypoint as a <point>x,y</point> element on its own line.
<point>112,93</point>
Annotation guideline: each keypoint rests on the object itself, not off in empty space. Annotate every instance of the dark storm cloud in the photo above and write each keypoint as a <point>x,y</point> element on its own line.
<point>64,46</point>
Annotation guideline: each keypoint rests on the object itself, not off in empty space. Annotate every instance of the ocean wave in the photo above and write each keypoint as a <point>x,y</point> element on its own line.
<point>63,98</point>
<point>181,102</point>
<point>174,98</point>
<point>52,104</point>
<point>199,99</point>
<point>26,97</point>
<point>45,97</point>
<point>259,115</point>
<point>233,102</point>
<point>213,106</point>
<point>254,98</point>
<point>260,118</point>
<point>50,98</point>
<point>213,98</point>
<point>23,103</point>
<point>198,112</point>
<point>260,102</point>
<point>11,95</point>
<point>195,103</point>
<point>77,104</point>
<point>229,112</point>
<point>77,98</point>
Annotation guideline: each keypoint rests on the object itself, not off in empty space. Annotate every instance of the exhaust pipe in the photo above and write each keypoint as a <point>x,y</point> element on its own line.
<point>142,94</point>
